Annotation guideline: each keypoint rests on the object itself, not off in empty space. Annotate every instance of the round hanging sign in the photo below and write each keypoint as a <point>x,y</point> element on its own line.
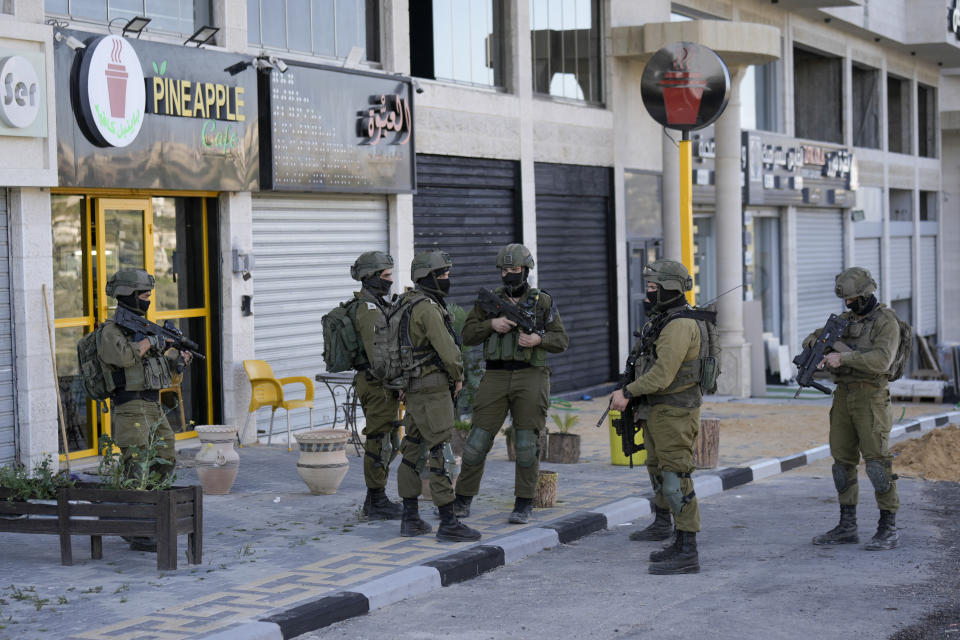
<point>685,86</point>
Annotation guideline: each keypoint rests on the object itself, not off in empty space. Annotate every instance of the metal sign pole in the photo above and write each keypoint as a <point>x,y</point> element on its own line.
<point>686,210</point>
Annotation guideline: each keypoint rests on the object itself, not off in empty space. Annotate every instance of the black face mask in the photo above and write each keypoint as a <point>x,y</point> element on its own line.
<point>661,300</point>
<point>514,283</point>
<point>134,303</point>
<point>862,305</point>
<point>378,285</point>
<point>649,308</point>
<point>443,285</point>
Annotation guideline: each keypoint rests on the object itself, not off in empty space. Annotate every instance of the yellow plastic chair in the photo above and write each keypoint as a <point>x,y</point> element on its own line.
<point>266,390</point>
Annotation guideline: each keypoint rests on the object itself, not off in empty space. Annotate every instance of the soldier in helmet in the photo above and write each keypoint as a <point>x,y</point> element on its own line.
<point>142,365</point>
<point>860,418</point>
<point>374,270</point>
<point>516,380</point>
<point>434,379</point>
<point>667,396</point>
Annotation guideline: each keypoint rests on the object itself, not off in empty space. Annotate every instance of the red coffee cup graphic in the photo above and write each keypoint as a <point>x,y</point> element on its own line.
<point>117,82</point>
<point>682,93</point>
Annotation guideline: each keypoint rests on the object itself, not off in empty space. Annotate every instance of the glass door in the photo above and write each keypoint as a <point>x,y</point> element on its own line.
<point>93,238</point>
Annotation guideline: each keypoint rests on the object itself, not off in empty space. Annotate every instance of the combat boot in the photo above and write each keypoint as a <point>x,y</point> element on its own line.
<point>412,525</point>
<point>845,532</point>
<point>451,529</point>
<point>683,559</point>
<point>659,529</point>
<point>886,536</point>
<point>461,506</point>
<point>377,506</point>
<point>666,552</point>
<point>522,510</point>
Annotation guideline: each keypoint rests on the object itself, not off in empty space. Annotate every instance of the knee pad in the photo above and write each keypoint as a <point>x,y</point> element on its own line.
<point>880,474</point>
<point>840,475</point>
<point>477,446</point>
<point>656,481</point>
<point>673,491</point>
<point>526,447</point>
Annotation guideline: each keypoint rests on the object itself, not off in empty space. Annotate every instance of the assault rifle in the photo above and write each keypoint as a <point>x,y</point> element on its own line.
<point>141,327</point>
<point>495,306</point>
<point>626,425</point>
<point>810,358</point>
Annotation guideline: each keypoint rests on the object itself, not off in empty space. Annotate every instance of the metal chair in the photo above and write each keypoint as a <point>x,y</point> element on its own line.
<point>266,390</point>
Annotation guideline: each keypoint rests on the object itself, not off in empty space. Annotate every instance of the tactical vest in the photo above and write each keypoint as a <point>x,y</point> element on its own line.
<point>420,361</point>
<point>504,346</point>
<point>151,373</point>
<point>684,391</point>
<point>859,336</point>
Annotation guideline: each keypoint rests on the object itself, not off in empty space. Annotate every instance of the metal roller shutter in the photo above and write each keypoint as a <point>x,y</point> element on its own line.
<point>819,260</point>
<point>469,208</point>
<point>928,286</point>
<point>8,414</point>
<point>304,248</point>
<point>901,268</point>
<point>574,253</point>
<point>867,255</point>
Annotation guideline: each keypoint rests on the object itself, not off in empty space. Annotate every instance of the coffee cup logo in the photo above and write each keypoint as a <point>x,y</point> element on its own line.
<point>112,91</point>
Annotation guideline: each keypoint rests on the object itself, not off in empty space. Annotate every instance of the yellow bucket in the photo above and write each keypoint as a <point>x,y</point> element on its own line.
<point>616,452</point>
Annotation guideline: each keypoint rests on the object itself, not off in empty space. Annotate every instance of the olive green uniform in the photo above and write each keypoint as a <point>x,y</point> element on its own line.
<point>861,417</point>
<point>517,380</point>
<point>668,390</point>
<point>136,404</point>
<point>380,405</point>
<point>429,418</point>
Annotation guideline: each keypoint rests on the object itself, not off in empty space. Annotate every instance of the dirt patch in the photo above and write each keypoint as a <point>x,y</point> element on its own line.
<point>934,456</point>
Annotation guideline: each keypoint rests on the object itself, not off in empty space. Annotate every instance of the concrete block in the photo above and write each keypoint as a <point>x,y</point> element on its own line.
<point>248,631</point>
<point>707,485</point>
<point>403,584</point>
<point>817,453</point>
<point>625,510</point>
<point>764,468</point>
<point>517,546</point>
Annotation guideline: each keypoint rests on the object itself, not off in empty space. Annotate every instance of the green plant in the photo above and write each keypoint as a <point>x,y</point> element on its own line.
<point>462,425</point>
<point>139,468</point>
<point>564,422</point>
<point>40,484</point>
<point>472,364</point>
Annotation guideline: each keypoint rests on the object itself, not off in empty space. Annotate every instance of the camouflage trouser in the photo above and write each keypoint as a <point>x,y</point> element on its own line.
<point>380,408</point>
<point>668,435</point>
<point>130,425</point>
<point>525,393</point>
<point>427,424</point>
<point>860,422</point>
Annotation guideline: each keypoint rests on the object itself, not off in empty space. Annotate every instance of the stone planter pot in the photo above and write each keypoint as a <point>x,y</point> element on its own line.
<point>217,462</point>
<point>563,448</point>
<point>323,459</point>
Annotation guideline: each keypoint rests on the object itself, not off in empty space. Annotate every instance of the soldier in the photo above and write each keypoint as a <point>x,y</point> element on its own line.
<point>142,366</point>
<point>860,418</point>
<point>374,269</point>
<point>667,394</point>
<point>433,382</point>
<point>516,380</point>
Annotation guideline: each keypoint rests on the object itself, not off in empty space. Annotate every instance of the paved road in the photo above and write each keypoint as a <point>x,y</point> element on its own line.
<point>761,579</point>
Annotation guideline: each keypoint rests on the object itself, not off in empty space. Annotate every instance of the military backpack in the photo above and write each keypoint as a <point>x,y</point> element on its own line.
<point>903,351</point>
<point>342,348</point>
<point>97,376</point>
<point>395,359</point>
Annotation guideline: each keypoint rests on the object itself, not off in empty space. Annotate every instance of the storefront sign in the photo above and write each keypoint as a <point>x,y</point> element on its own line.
<point>685,86</point>
<point>339,131</point>
<point>150,115</point>
<point>23,104</point>
<point>953,19</point>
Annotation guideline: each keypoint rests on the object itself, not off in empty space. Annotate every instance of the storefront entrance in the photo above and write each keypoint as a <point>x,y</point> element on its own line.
<point>94,237</point>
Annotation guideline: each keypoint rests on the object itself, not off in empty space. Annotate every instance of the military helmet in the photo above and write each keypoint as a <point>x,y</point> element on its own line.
<point>127,281</point>
<point>426,262</point>
<point>669,274</point>
<point>370,263</point>
<point>514,255</point>
<point>854,282</point>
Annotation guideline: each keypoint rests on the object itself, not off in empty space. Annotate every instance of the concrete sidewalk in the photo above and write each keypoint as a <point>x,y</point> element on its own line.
<point>278,562</point>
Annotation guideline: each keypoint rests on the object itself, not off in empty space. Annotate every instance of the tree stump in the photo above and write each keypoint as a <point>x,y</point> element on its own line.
<point>706,448</point>
<point>546,495</point>
<point>563,448</point>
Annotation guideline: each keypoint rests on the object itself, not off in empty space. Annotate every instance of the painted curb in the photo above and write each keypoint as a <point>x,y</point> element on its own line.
<point>249,631</point>
<point>469,563</point>
<point>321,612</point>
<point>765,467</point>
<point>626,510</point>
<point>707,485</point>
<point>577,525</point>
<point>398,586</point>
<point>517,546</point>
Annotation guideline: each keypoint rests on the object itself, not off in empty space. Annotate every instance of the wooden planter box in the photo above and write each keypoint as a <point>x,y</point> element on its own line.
<point>89,510</point>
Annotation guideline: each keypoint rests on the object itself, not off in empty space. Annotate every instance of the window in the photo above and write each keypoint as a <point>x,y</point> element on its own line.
<point>928,206</point>
<point>759,98</point>
<point>898,115</point>
<point>182,17</point>
<point>927,123</point>
<point>457,41</point>
<point>901,205</point>
<point>565,39</point>
<point>866,107</point>
<point>322,27</point>
<point>817,96</point>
